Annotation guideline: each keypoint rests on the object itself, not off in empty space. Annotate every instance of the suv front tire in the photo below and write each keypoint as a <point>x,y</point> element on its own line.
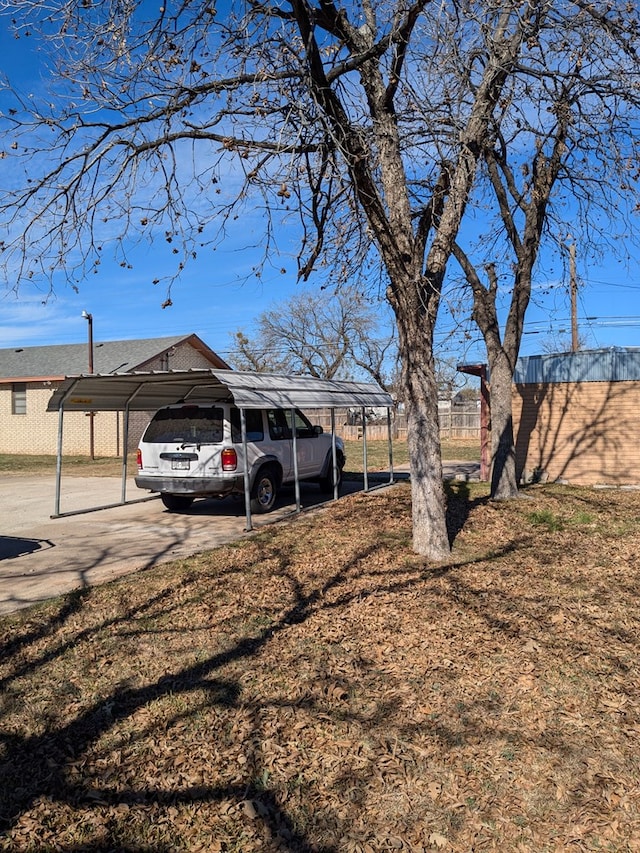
<point>326,483</point>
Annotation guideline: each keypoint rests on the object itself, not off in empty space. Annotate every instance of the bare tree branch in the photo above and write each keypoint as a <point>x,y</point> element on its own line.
<point>369,122</point>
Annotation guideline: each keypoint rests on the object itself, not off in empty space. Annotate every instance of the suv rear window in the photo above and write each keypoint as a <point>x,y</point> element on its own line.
<point>188,424</point>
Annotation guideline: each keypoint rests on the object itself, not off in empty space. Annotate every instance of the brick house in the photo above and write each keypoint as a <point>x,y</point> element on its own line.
<point>576,417</point>
<point>29,375</point>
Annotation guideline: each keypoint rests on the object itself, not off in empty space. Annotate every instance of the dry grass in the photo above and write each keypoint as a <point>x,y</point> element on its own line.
<point>378,453</point>
<point>79,466</point>
<point>82,466</point>
<point>318,687</point>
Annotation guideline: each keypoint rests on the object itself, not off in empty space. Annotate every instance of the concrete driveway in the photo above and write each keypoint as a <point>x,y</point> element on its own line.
<point>42,557</point>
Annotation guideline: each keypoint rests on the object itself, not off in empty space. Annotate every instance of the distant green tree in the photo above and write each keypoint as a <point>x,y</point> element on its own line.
<point>467,395</point>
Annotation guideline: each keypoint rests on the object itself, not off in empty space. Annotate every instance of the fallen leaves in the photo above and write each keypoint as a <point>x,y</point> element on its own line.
<point>320,687</point>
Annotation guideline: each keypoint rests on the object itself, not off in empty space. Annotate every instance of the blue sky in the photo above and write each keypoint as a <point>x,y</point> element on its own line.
<point>216,295</point>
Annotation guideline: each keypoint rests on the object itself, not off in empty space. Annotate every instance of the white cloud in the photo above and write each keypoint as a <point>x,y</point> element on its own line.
<point>30,321</point>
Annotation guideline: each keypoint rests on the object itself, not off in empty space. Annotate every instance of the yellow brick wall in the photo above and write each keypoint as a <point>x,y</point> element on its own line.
<point>182,357</point>
<point>37,431</point>
<point>584,433</point>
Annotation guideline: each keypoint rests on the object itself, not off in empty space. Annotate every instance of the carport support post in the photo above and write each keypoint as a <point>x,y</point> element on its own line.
<point>56,508</point>
<point>334,454</point>
<point>125,449</point>
<point>247,482</point>
<point>295,459</point>
<point>390,438</point>
<point>125,439</point>
<point>67,393</point>
<point>364,450</point>
<point>125,444</point>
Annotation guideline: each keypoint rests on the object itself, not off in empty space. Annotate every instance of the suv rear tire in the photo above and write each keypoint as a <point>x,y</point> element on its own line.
<point>264,490</point>
<point>176,503</point>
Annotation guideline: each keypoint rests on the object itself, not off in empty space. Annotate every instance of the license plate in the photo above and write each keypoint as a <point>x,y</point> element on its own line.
<point>180,464</point>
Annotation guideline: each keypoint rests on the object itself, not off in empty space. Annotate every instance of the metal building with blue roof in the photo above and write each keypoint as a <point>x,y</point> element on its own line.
<point>576,417</point>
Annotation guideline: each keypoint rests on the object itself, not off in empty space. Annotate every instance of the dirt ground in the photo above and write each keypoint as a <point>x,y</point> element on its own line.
<point>320,688</point>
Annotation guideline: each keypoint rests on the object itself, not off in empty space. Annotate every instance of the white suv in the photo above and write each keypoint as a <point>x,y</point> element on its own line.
<point>195,451</point>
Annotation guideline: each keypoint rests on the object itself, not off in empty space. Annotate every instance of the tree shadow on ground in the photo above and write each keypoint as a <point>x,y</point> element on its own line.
<point>42,761</point>
<point>460,505</point>
<point>39,629</point>
<point>57,765</point>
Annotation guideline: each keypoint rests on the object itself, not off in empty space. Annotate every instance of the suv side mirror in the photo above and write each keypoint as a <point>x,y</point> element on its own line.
<point>317,430</point>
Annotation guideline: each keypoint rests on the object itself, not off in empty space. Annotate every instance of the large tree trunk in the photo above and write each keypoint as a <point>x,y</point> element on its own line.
<point>504,481</point>
<point>430,536</point>
<point>502,358</point>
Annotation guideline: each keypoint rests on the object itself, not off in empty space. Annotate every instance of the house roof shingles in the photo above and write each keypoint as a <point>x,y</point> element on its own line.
<point>59,360</point>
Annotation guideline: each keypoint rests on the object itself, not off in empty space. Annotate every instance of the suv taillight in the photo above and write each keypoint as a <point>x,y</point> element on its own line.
<point>139,459</point>
<point>229,459</point>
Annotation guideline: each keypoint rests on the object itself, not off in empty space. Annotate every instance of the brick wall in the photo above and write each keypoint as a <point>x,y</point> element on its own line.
<point>181,357</point>
<point>36,432</point>
<point>584,433</point>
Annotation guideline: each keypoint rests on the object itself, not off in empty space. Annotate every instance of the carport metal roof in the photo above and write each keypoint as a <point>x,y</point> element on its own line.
<point>150,391</point>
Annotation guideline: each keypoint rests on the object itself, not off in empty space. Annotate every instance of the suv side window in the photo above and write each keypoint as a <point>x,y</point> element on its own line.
<point>255,429</point>
<point>304,429</point>
<point>278,424</point>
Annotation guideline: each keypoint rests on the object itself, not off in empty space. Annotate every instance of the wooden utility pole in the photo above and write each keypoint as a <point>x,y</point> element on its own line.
<point>573,284</point>
<point>89,318</point>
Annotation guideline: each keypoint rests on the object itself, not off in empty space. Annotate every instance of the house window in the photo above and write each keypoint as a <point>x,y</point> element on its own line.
<point>19,398</point>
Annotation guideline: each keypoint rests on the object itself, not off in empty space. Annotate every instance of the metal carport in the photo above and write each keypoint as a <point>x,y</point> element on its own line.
<point>147,392</point>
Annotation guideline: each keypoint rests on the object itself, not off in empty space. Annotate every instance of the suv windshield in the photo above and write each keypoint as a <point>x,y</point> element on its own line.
<point>186,425</point>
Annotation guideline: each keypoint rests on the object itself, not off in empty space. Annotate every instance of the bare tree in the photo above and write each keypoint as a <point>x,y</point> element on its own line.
<point>561,342</point>
<point>561,158</point>
<point>322,334</point>
<point>366,120</point>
